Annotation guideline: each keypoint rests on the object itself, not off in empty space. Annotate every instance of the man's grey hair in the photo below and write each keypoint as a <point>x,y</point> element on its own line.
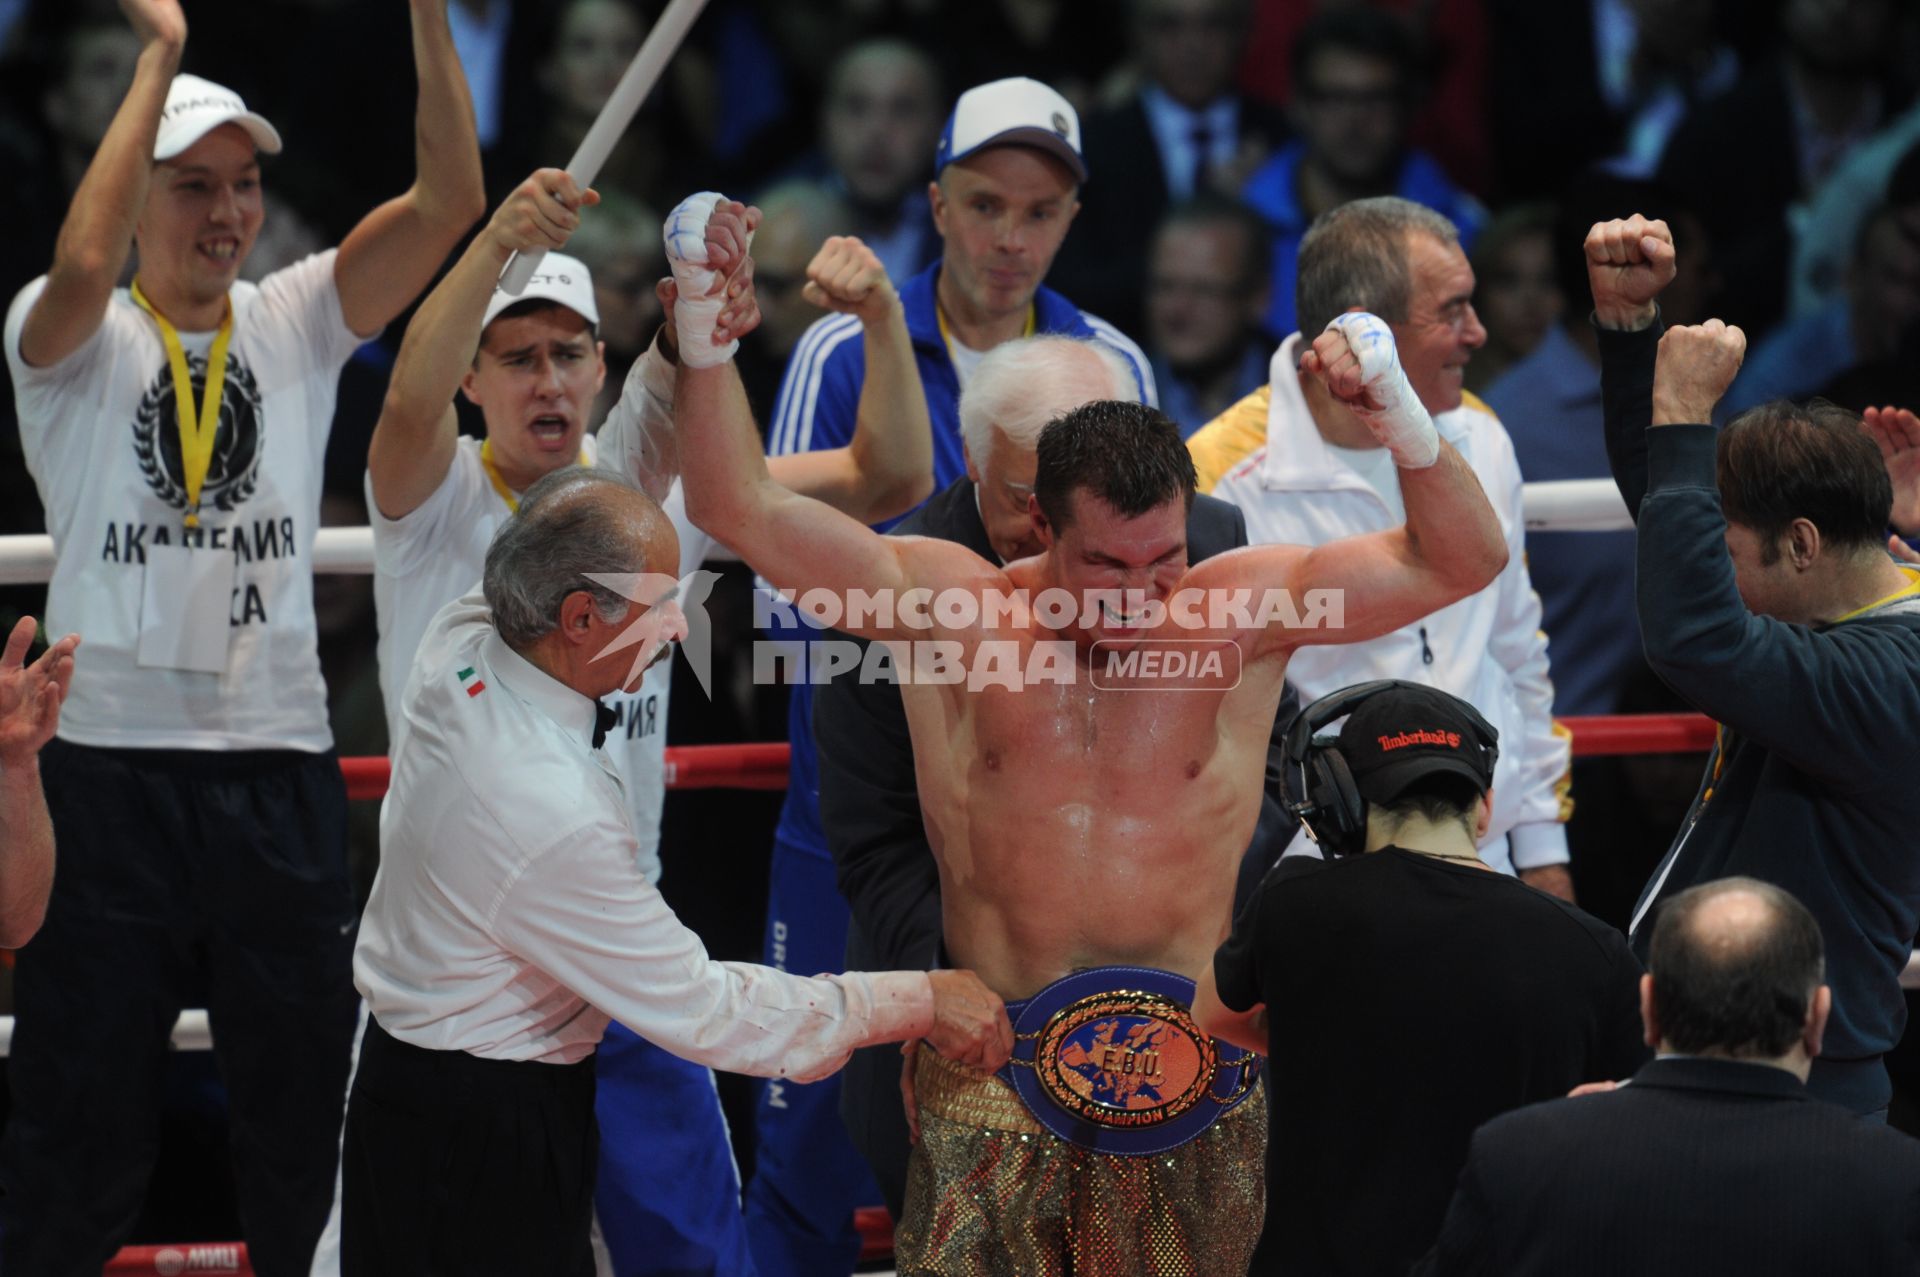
<point>1021,386</point>
<point>1360,254</point>
<point>550,545</point>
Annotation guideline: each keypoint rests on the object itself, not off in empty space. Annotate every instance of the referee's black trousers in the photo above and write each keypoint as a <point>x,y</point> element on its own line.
<point>456,1166</point>
<point>185,878</point>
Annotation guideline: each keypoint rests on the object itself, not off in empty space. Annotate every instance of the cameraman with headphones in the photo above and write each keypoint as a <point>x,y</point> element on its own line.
<point>1403,991</point>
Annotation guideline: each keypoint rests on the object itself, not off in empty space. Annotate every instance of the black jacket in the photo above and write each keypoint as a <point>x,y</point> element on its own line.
<point>1811,785</point>
<point>870,809</point>
<point>1698,1166</point>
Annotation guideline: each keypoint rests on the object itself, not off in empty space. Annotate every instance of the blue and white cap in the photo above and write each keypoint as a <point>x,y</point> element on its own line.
<point>1012,112</point>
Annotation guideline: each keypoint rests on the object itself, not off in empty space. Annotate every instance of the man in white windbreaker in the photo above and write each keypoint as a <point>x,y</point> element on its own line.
<point>1306,471</point>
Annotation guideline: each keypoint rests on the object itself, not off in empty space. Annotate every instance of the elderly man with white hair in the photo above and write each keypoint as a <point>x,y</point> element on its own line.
<point>869,803</point>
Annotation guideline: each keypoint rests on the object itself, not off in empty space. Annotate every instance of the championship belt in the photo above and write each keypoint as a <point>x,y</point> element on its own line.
<point>1111,1060</point>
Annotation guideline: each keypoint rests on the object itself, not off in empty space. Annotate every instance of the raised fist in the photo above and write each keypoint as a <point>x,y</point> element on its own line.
<point>1696,364</point>
<point>1629,260</point>
<point>1897,431</point>
<point>542,213</point>
<point>707,238</point>
<point>1357,359</point>
<point>845,276</point>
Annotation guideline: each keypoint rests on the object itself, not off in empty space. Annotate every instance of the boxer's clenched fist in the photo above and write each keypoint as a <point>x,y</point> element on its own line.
<point>1357,359</point>
<point>1696,364</point>
<point>970,1023</point>
<point>542,213</point>
<point>708,238</point>
<point>847,277</point>
<point>1629,260</point>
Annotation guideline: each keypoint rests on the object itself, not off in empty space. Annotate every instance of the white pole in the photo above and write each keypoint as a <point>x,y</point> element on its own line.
<point>641,75</point>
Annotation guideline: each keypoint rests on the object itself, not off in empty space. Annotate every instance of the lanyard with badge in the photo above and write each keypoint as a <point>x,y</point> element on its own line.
<point>188,591</point>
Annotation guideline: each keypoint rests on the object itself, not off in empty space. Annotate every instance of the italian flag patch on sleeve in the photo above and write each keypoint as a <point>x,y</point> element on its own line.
<point>474,687</point>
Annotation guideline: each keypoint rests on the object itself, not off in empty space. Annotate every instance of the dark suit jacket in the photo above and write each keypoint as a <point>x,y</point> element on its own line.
<point>1699,1166</point>
<point>1103,264</point>
<point>870,808</point>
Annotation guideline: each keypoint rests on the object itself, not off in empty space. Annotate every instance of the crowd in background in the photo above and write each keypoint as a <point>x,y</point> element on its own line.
<point>1780,140</point>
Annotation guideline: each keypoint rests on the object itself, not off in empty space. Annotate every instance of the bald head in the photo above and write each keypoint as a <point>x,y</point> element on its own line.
<point>1735,966</point>
<point>572,526</point>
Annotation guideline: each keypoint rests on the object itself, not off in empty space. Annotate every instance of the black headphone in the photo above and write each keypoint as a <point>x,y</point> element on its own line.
<point>1320,788</point>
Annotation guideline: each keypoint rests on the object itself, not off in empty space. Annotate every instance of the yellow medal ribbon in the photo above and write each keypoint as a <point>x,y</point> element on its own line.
<point>196,429</point>
<point>499,484</point>
<point>946,335</point>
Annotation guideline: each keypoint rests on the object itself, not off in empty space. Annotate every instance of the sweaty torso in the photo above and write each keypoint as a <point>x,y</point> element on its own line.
<point>1089,819</point>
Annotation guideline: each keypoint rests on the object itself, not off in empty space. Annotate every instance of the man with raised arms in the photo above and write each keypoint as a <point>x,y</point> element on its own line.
<point>175,430</point>
<point>1092,818</point>
<point>534,364</point>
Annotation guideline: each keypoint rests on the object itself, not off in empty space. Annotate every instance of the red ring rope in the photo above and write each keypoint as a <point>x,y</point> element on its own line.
<point>764,765</point>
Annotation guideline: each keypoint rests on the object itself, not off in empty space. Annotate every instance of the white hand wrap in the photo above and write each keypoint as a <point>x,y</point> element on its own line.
<point>1401,422</point>
<point>694,313</point>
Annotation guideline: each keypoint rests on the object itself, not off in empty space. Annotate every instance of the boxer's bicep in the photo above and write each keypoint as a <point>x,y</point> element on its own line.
<point>1360,587</point>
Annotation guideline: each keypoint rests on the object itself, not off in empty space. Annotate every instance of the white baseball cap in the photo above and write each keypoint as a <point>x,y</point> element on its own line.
<point>1012,112</point>
<point>560,279</point>
<point>196,107</point>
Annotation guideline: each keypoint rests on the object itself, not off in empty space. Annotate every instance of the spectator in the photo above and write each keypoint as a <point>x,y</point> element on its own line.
<point>1356,72</point>
<point>1767,599</point>
<point>796,218</point>
<point>1008,175</point>
<point>869,799</point>
<point>593,42</point>
<point>1783,128</point>
<point>1452,121</point>
<point>30,697</point>
<point>1870,323</point>
<point>194,787</point>
<point>1572,84</point>
<point>1335,967</point>
<point>1717,1158</point>
<point>1519,298</point>
<point>878,123</point>
<point>1306,471</point>
<point>1206,293</point>
<point>1883,169</point>
<point>1184,132</point>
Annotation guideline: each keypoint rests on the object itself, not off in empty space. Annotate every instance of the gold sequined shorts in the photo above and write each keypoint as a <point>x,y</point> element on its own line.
<point>992,1193</point>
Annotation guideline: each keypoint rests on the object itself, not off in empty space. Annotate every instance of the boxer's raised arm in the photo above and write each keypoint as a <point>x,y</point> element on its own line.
<point>887,467</point>
<point>98,231</point>
<point>1449,547</point>
<point>413,442</point>
<point>393,253</point>
<point>795,542</point>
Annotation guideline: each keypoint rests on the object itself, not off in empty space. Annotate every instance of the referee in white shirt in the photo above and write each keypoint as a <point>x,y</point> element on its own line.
<point>510,918</point>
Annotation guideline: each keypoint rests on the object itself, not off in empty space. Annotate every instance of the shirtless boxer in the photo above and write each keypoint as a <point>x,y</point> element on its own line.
<point>1088,826</point>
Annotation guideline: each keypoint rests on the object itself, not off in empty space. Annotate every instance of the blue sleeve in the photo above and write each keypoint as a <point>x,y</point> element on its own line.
<point>1828,699</point>
<point>820,391</point>
<point>818,404</point>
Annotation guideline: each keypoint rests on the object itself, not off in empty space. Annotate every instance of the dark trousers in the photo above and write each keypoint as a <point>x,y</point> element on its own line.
<point>455,1166</point>
<point>181,875</point>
